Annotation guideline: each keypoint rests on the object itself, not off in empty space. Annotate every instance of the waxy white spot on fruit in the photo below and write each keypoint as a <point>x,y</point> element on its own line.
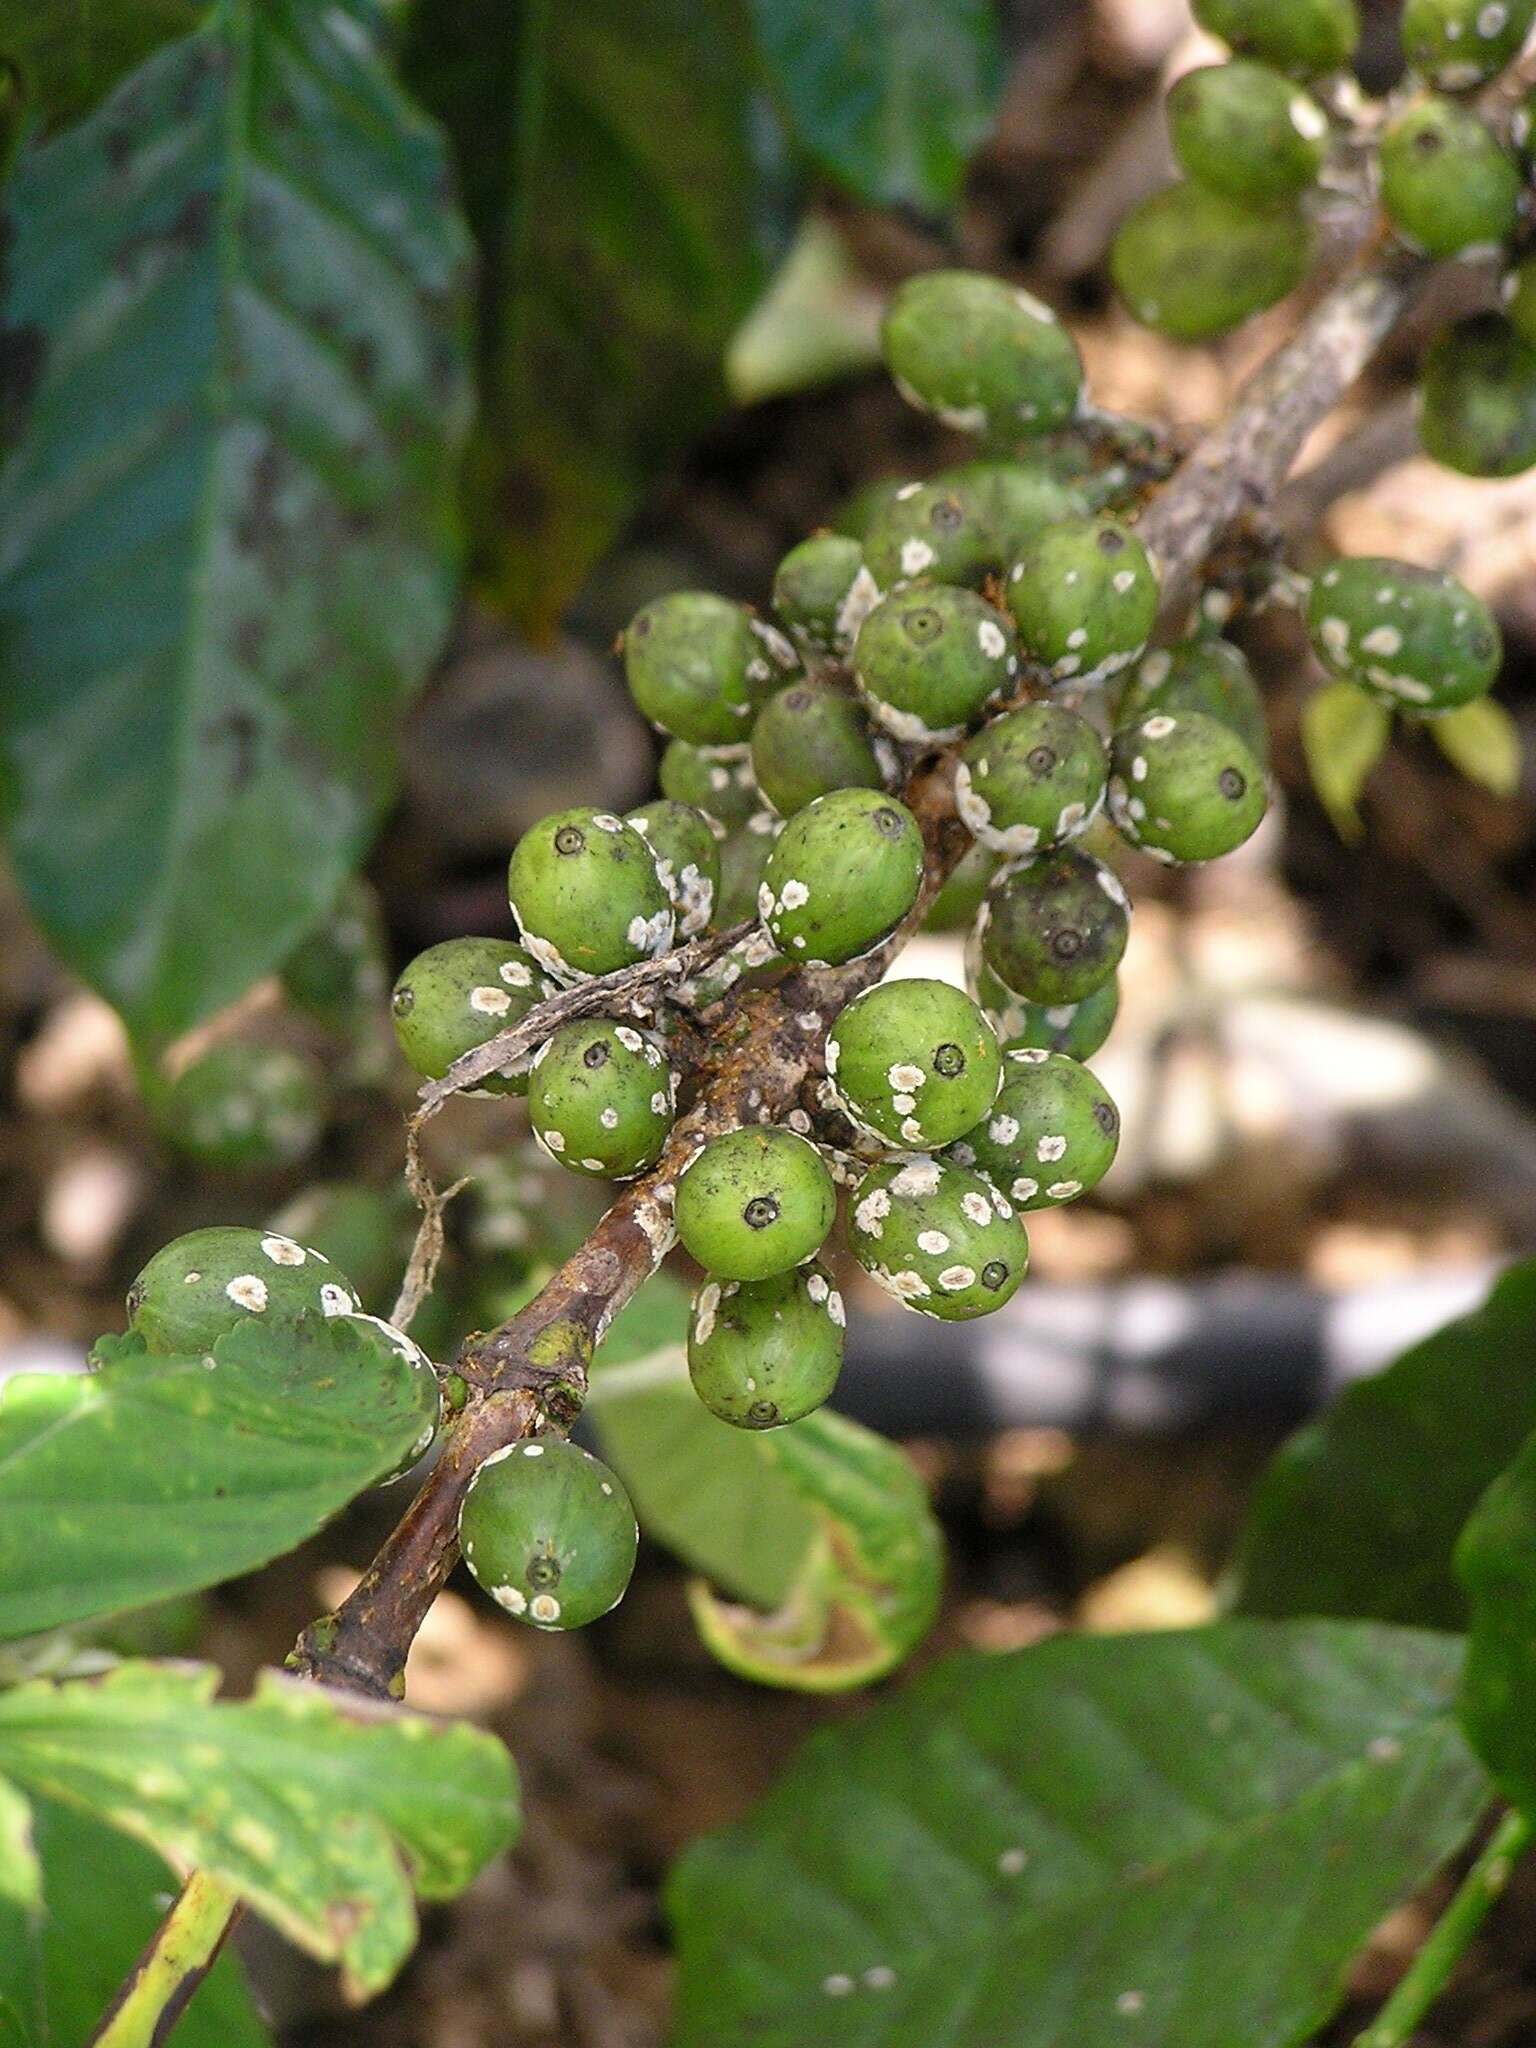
<point>248,1291</point>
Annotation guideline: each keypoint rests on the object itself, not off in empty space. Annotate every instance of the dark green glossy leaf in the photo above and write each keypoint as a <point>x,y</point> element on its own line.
<point>320,1809</point>
<point>1360,1512</point>
<point>1173,1839</point>
<point>891,98</point>
<point>103,1897</point>
<point>159,1475</point>
<point>1496,1561</point>
<point>605,152</point>
<point>236,383</point>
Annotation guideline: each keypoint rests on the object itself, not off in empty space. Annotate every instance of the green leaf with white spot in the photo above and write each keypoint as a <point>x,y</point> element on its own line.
<point>1483,741</point>
<point>1343,736</point>
<point>103,1896</point>
<point>818,1535</point>
<point>236,393</point>
<point>319,1809</point>
<point>1176,1839</point>
<point>159,1475</point>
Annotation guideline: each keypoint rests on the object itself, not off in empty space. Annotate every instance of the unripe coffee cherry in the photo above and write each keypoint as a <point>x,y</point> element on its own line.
<point>1477,398</point>
<point>698,666</point>
<point>1191,263</point>
<point>1448,185</point>
<point>743,856</point>
<point>1414,638</point>
<point>200,1286</point>
<point>1077,1029</point>
<point>548,1531</point>
<point>1050,1136</point>
<point>821,590</point>
<point>687,855</point>
<point>840,877</point>
<point>456,995</point>
<point>1030,779</point>
<point>1207,675</point>
<point>586,895</point>
<point>959,897</point>
<point>1054,928</point>
<point>241,1106</point>
<point>1244,130</point>
<point>929,531</point>
<point>1459,43</point>
<point>1304,36</point>
<point>1084,597</point>
<point>600,1098</point>
<point>765,1352</point>
<point>929,660</point>
<point>811,739</point>
<point>937,1236</point>
<point>337,975</point>
<point>984,357</point>
<point>1014,499</point>
<point>1183,787</point>
<point>715,780</point>
<point>754,1202</point>
<point>914,1061</point>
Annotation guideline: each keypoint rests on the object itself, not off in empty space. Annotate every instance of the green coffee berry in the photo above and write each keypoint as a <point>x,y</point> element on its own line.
<point>1304,36</point>
<point>981,355</point>
<point>743,856</point>
<point>1244,130</point>
<point>914,1061</point>
<point>1518,296</point>
<point>1191,263</point>
<point>955,906</point>
<point>765,1352</point>
<point>1477,398</point>
<point>1054,928</point>
<point>1459,43</point>
<point>715,780</point>
<point>243,1107</point>
<point>1414,638</point>
<point>1204,674</point>
<point>810,739</point>
<point>754,1202</point>
<point>200,1286</point>
<point>1184,787</point>
<point>337,974</point>
<point>862,505</point>
<point>821,590</point>
<point>698,666</point>
<point>1050,1136</point>
<point>383,1338</point>
<point>931,532</point>
<point>1077,1029</point>
<point>1015,500</point>
<point>1448,185</point>
<point>456,995</point>
<point>548,1531</point>
<point>840,877</point>
<point>687,855</point>
<point>1084,597</point>
<point>600,1098</point>
<point>1030,779</point>
<point>587,897</point>
<point>929,660</point>
<point>938,1237</point>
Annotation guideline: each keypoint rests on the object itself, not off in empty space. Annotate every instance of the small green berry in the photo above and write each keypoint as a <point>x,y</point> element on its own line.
<point>1477,398</point>
<point>1460,43</point>
<point>337,974</point>
<point>754,1202</point>
<point>1077,1029</point>
<point>1084,597</point>
<point>932,532</point>
<point>715,780</point>
<point>811,739</point>
<point>584,889</point>
<point>841,876</point>
<point>548,1531</point>
<point>743,856</point>
<point>762,1353</point>
<point>600,1098</point>
<point>981,355</point>
<point>1183,787</point>
<point>1303,36</point>
<point>1448,185</point>
<point>929,660</point>
<point>456,995</point>
<point>937,1236</point>
<point>1413,638</point>
<point>384,1339</point>
<point>1191,263</point>
<point>1030,779</point>
<point>243,1107</point>
<point>1244,130</point>
<point>914,1061</point>
<point>200,1286</point>
<point>1015,500</point>
<point>821,590</point>
<point>698,666</point>
<point>1204,674</point>
<point>687,854</point>
<point>955,906</point>
<point>1050,1136</point>
<point>1054,928</point>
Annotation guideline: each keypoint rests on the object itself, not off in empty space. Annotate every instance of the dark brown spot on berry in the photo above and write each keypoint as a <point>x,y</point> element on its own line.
<point>1065,944</point>
<point>949,1061</point>
<point>1040,760</point>
<point>993,1274</point>
<point>543,1570</point>
<point>570,839</point>
<point>946,516</point>
<point>763,1414</point>
<point>1107,1117</point>
<point>1109,540</point>
<point>922,624</point>
<point>1232,783</point>
<point>888,822</point>
<point>596,1055</point>
<point>760,1212</point>
<point>403,1001</point>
